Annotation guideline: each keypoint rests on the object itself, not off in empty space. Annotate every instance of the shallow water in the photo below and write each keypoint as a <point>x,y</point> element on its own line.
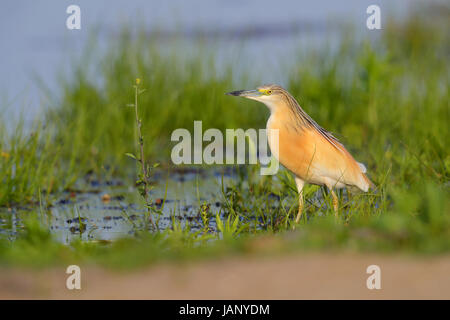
<point>110,210</point>
<point>107,210</point>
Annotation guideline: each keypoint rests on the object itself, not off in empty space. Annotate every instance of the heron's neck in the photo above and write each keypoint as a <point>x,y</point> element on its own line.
<point>280,115</point>
<point>276,107</point>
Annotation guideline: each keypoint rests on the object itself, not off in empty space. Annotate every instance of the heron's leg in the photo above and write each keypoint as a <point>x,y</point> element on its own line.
<point>335,202</point>
<point>300,183</point>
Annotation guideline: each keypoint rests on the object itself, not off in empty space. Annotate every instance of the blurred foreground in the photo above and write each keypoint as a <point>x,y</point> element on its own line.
<point>296,276</point>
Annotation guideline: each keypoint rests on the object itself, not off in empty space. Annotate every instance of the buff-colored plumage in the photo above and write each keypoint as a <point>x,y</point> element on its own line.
<point>311,153</point>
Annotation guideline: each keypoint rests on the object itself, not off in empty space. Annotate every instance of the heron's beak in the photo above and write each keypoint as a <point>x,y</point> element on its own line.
<point>245,93</point>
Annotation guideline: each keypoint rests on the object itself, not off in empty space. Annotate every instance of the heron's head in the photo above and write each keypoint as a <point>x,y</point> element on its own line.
<point>270,94</point>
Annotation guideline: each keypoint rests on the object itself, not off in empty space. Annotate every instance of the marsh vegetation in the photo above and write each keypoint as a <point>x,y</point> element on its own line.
<point>387,101</point>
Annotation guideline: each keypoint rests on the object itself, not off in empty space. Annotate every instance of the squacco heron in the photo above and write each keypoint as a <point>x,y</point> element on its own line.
<point>310,152</point>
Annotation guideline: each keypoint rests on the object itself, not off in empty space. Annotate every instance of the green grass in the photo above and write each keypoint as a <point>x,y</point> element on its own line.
<point>179,90</point>
<point>30,165</point>
<point>387,101</point>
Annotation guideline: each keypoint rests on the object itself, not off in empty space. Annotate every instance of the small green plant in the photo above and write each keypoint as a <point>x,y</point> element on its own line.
<point>143,180</point>
<point>204,214</point>
<point>230,228</point>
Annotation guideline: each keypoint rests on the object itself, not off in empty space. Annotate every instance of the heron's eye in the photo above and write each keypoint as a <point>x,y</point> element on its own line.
<point>269,92</point>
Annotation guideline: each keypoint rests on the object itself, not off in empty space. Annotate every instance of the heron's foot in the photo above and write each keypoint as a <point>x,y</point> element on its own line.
<point>336,206</point>
<point>299,215</point>
<point>297,219</point>
<point>335,203</point>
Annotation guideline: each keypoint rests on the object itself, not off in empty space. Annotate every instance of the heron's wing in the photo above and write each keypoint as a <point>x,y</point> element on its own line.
<point>311,156</point>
